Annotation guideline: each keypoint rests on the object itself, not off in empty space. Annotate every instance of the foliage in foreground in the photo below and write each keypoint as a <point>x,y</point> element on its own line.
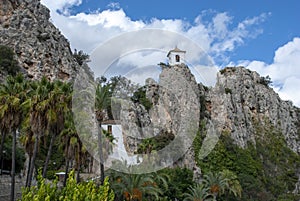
<point>215,185</point>
<point>138,187</point>
<point>266,171</point>
<point>72,192</point>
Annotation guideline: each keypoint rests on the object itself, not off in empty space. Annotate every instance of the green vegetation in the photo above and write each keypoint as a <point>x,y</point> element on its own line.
<point>156,143</point>
<point>265,81</point>
<point>102,102</point>
<point>180,179</point>
<point>8,63</point>
<point>131,187</point>
<point>40,111</point>
<point>71,192</point>
<point>228,91</point>
<point>80,57</point>
<point>7,156</point>
<point>140,97</point>
<point>214,185</point>
<point>227,69</point>
<point>266,171</point>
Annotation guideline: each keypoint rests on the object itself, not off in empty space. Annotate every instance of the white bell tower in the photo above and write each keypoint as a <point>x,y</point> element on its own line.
<point>176,56</point>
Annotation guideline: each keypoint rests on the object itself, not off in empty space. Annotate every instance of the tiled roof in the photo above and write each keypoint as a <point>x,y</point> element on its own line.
<point>176,49</point>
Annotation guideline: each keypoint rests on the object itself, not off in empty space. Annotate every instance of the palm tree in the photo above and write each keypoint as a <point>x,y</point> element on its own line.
<point>102,102</point>
<point>27,141</point>
<point>216,183</point>
<point>73,146</point>
<point>233,185</point>
<point>4,131</point>
<point>12,95</point>
<point>222,182</point>
<point>198,193</point>
<point>135,187</point>
<point>38,104</point>
<point>59,104</point>
<point>146,147</point>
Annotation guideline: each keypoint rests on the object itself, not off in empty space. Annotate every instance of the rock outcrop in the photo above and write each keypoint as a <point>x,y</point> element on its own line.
<point>242,99</point>
<point>40,47</point>
<point>241,103</point>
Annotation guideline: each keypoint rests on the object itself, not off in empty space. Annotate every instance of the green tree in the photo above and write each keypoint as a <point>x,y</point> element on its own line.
<point>59,106</point>
<point>102,103</point>
<point>26,139</point>
<point>135,187</point>
<point>216,183</point>
<point>179,181</point>
<point>139,96</point>
<point>72,145</point>
<point>12,96</point>
<point>38,105</point>
<point>233,185</point>
<point>266,80</point>
<point>198,193</point>
<point>8,63</point>
<point>73,191</point>
<point>80,57</point>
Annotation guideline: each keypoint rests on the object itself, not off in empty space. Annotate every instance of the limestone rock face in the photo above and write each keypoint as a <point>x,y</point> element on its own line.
<point>40,47</point>
<point>175,109</point>
<point>241,99</point>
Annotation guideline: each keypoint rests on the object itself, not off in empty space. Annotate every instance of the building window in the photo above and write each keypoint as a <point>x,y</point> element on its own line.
<point>177,58</point>
<point>109,129</point>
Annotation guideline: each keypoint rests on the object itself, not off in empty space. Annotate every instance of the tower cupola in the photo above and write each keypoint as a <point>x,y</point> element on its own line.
<point>176,56</point>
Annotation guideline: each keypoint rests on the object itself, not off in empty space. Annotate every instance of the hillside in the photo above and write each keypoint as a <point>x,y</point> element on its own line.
<point>40,47</point>
<point>240,124</point>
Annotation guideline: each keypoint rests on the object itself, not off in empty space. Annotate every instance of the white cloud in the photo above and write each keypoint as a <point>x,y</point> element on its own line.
<point>61,5</point>
<point>216,35</point>
<point>109,19</point>
<point>84,30</point>
<point>114,5</point>
<point>284,70</point>
<point>228,40</point>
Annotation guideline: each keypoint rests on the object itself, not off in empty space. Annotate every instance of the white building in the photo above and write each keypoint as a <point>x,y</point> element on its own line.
<point>119,151</point>
<point>176,56</point>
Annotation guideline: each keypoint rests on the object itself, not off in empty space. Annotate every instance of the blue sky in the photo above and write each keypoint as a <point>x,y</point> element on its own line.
<point>261,35</point>
<point>280,27</point>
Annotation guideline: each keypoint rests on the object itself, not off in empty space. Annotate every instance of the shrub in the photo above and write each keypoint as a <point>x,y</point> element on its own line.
<point>80,57</point>
<point>228,91</point>
<point>8,64</point>
<point>140,97</point>
<point>72,192</point>
<point>265,80</point>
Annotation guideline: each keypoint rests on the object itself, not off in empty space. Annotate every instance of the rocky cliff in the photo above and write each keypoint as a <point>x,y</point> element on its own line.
<point>40,47</point>
<point>242,125</point>
<point>242,100</point>
<point>239,103</point>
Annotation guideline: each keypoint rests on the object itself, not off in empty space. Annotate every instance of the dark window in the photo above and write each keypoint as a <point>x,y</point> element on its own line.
<point>109,129</point>
<point>177,58</point>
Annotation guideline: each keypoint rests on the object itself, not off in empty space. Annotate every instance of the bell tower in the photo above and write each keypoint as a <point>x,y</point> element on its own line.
<point>176,56</point>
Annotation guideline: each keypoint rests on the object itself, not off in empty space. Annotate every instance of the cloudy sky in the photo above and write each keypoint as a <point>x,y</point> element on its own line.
<point>261,35</point>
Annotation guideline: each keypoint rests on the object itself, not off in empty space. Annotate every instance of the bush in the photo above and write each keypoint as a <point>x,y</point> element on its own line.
<point>80,57</point>
<point>140,97</point>
<point>180,179</point>
<point>228,91</point>
<point>72,192</point>
<point>20,156</point>
<point>266,170</point>
<point>8,64</point>
<point>265,80</point>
